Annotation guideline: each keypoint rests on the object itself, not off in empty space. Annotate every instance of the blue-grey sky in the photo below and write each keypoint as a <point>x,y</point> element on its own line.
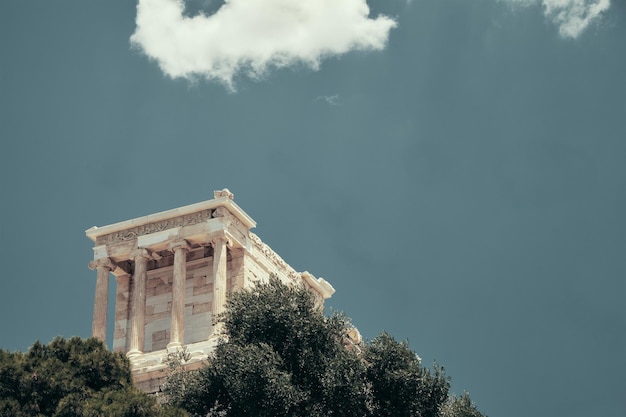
<point>456,169</point>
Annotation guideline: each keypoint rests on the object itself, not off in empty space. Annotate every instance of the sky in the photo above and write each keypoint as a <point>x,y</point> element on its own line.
<point>455,169</point>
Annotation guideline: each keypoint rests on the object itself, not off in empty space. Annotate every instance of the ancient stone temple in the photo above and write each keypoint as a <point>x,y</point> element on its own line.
<point>174,271</point>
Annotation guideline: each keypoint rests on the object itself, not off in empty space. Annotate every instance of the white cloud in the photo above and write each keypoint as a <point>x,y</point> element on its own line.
<point>571,16</point>
<point>253,36</point>
<point>574,16</point>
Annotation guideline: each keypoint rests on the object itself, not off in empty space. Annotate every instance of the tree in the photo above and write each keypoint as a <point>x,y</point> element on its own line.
<point>401,386</point>
<point>461,406</point>
<point>280,356</point>
<point>71,377</point>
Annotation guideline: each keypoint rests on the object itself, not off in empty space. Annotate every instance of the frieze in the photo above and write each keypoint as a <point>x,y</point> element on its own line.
<point>274,258</point>
<point>146,229</point>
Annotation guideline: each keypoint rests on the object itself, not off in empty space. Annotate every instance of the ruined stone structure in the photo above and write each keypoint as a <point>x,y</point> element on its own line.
<point>173,271</point>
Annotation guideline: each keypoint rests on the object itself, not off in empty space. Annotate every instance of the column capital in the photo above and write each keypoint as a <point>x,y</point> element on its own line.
<point>140,253</point>
<point>221,236</point>
<point>179,244</point>
<point>102,263</point>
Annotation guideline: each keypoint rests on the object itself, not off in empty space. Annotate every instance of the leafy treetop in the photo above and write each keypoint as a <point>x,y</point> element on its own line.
<point>281,356</point>
<point>72,377</point>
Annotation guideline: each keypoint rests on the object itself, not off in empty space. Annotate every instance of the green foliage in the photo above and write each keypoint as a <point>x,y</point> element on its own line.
<point>177,379</point>
<point>462,406</point>
<point>401,386</point>
<point>280,357</point>
<point>70,377</point>
<point>247,381</point>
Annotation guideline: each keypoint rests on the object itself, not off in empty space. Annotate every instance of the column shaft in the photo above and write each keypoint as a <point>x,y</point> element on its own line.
<point>138,308</point>
<point>220,264</point>
<point>99,324</point>
<point>121,341</point>
<point>177,328</point>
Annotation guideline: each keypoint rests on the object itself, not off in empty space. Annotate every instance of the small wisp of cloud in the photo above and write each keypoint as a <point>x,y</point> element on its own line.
<point>332,100</point>
<point>572,17</point>
<point>251,37</point>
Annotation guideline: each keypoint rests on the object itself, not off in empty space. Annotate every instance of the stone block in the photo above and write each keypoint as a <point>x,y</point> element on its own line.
<point>199,280</point>
<point>201,308</point>
<point>121,314</point>
<point>156,324</point>
<point>160,335</point>
<point>121,323</point>
<point>161,289</point>
<point>163,307</point>
<point>203,289</point>
<point>157,316</point>
<point>159,299</point>
<point>121,296</point>
<point>195,255</point>
<point>160,340</point>
<point>153,282</point>
<point>199,299</point>
<point>119,345</point>
<point>197,327</point>
<point>119,333</point>
<point>158,239</point>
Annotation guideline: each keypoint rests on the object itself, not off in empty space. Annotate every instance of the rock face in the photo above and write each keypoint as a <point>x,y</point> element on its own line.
<point>173,271</point>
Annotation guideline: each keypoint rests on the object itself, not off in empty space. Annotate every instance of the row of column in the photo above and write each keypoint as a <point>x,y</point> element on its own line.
<point>138,302</point>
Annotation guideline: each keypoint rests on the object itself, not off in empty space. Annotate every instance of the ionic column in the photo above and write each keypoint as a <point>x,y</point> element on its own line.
<point>138,307</point>
<point>177,327</point>
<point>220,264</point>
<point>101,302</point>
<point>121,333</point>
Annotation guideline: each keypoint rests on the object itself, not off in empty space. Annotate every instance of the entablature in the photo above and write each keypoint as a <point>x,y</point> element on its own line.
<point>221,207</point>
<point>198,224</point>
